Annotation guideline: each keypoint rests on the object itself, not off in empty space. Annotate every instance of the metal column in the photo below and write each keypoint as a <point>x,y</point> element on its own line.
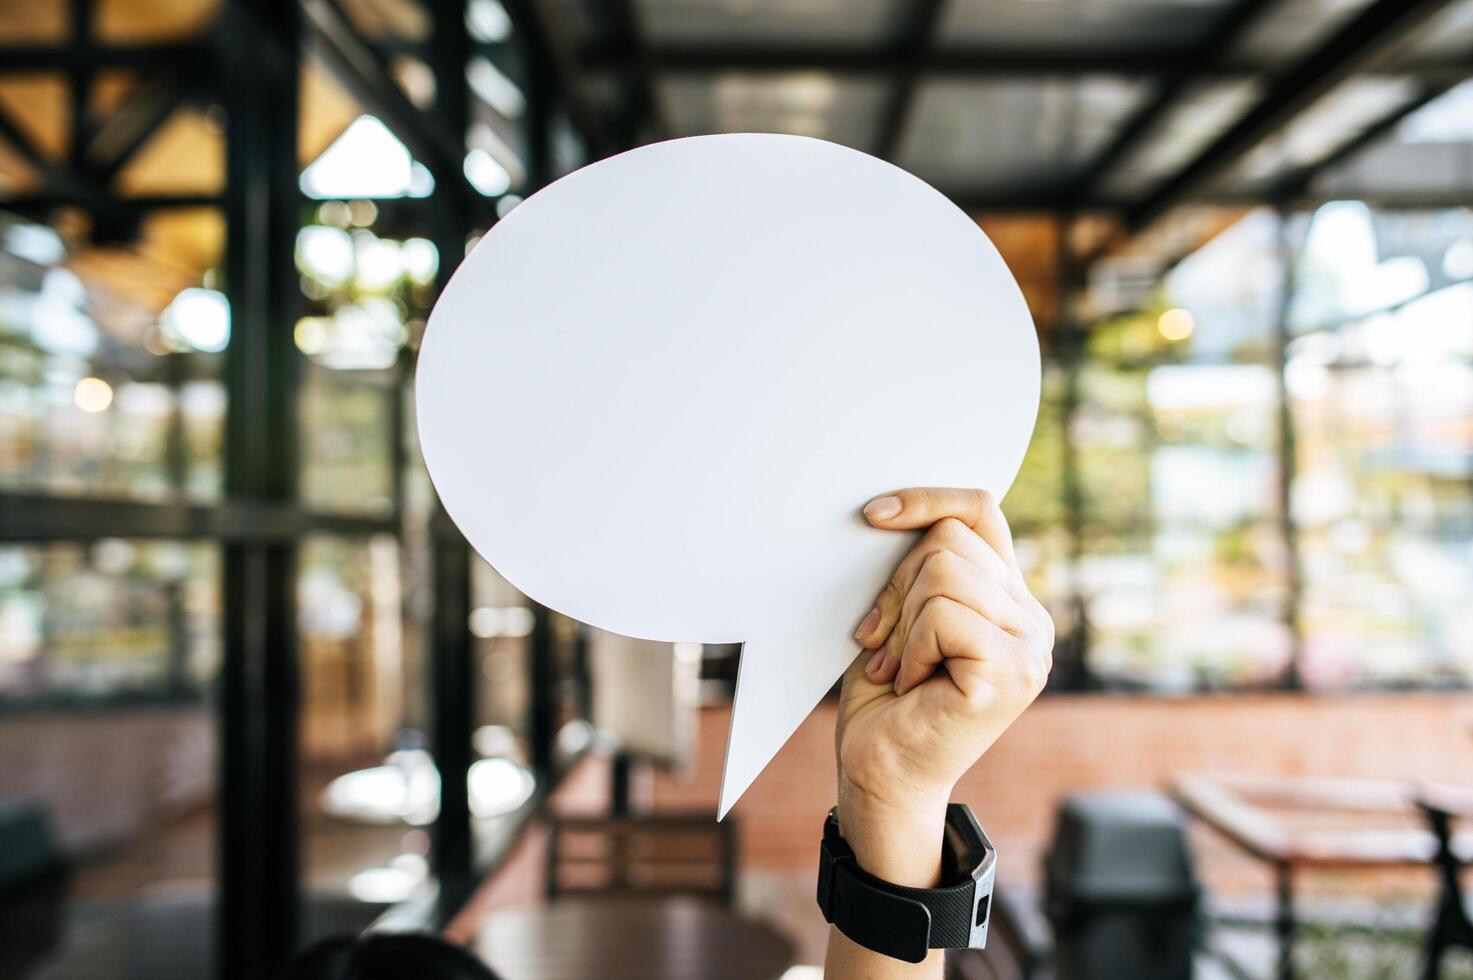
<point>452,652</point>
<point>1288,256</point>
<point>259,909</point>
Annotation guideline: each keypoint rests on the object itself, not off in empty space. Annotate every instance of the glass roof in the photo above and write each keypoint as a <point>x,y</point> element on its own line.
<point>1291,27</point>
<point>994,134</point>
<point>1429,154</point>
<point>1009,97</point>
<point>1202,113</point>
<point>1447,36</point>
<point>842,109</point>
<point>1339,116</point>
<point>986,131</point>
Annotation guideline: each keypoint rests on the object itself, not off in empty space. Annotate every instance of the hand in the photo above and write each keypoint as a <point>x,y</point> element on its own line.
<point>954,650</point>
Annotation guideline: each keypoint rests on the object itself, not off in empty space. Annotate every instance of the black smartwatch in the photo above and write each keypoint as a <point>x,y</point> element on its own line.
<point>904,923</point>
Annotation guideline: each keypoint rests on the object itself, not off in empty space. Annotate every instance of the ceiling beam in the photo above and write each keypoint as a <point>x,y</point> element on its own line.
<point>1296,183</point>
<point>540,27</point>
<point>129,128</point>
<point>1369,36</point>
<point>30,58</point>
<point>362,70</point>
<point>1209,52</point>
<point>917,34</point>
<point>643,115</point>
<point>111,220</point>
<point>971,60</point>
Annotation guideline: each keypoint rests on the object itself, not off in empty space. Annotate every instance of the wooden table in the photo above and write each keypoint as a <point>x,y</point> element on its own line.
<point>1240,809</point>
<point>630,938</point>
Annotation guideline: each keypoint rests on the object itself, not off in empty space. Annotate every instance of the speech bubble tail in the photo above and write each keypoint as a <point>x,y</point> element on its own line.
<point>778,683</point>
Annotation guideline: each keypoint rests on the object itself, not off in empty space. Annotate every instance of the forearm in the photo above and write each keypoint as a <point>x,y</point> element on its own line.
<point>901,845</point>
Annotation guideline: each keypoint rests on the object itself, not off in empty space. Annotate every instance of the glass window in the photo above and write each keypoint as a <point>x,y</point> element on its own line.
<point>115,620</point>
<point>102,396</point>
<point>107,653</point>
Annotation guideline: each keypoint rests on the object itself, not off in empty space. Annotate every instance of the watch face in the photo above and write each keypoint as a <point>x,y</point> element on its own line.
<point>968,843</point>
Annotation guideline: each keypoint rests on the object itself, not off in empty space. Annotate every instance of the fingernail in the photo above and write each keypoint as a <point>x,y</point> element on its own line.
<point>882,508</point>
<point>874,662</point>
<point>870,622</point>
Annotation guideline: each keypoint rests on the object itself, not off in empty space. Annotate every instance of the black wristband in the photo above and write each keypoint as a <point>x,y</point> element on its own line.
<point>905,923</point>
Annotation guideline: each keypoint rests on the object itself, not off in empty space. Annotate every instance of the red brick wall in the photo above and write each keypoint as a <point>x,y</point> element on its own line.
<point>1075,742</point>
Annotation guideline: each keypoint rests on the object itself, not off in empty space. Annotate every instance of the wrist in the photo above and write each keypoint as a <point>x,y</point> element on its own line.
<point>898,842</point>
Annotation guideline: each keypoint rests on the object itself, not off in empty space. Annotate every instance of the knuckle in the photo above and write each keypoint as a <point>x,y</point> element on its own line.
<point>985,502</point>
<point>979,697</point>
<point>950,530</point>
<point>1035,673</point>
<point>931,615</point>
<point>932,565</point>
<point>1031,669</point>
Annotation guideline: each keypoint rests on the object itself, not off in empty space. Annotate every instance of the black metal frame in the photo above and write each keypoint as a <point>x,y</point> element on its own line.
<point>1368,36</point>
<point>622,49</point>
<point>250,60</point>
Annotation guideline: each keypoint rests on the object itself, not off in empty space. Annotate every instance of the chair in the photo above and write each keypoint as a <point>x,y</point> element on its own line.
<point>1451,926</point>
<point>34,881</point>
<point>650,854</point>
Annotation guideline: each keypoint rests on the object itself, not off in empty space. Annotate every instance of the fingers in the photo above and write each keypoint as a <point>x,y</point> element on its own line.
<point>966,558</point>
<point>947,575</point>
<point>921,507</point>
<point>947,534</point>
<point>945,627</point>
<point>944,574</point>
<point>981,659</point>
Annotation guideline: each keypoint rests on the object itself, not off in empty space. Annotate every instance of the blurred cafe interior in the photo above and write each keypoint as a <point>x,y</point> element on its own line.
<point>255,689</point>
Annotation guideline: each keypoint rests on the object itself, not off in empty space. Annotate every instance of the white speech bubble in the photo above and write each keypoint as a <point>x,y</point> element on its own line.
<point>657,394</point>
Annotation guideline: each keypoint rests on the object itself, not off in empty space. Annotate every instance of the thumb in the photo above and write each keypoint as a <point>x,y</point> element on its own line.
<point>857,684</point>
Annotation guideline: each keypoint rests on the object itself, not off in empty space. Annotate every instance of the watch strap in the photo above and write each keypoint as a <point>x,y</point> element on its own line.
<point>897,921</point>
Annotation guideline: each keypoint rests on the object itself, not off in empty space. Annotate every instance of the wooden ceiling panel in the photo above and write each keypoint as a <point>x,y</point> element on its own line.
<point>33,21</point>
<point>38,105</point>
<point>1029,244</point>
<point>153,20</point>
<point>110,89</point>
<point>186,156</point>
<point>131,285</point>
<point>327,108</point>
<point>389,18</point>
<point>17,176</point>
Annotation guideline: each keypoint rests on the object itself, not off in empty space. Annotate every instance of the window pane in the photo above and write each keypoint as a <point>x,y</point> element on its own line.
<point>106,392</point>
<point>1186,608</point>
<point>111,621</point>
<point>1109,432</point>
<point>107,652</point>
<point>368,788</point>
<point>1383,501</point>
<point>347,441</point>
<point>366,294</point>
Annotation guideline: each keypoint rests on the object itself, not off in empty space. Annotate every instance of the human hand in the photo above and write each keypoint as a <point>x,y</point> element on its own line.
<point>954,650</point>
